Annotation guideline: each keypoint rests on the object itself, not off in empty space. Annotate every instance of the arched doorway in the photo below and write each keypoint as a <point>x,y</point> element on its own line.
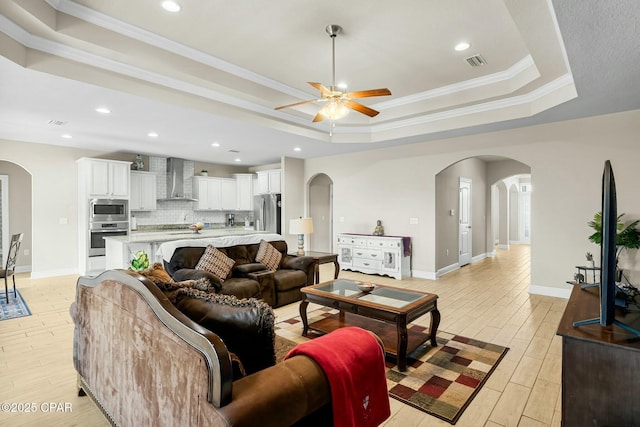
<point>491,213</point>
<point>16,216</point>
<point>321,211</point>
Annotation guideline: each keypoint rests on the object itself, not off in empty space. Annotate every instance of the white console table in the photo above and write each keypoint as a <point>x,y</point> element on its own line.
<point>386,255</point>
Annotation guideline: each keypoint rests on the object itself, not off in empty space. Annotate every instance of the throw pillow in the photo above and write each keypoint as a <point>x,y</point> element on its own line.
<point>215,262</point>
<point>268,255</point>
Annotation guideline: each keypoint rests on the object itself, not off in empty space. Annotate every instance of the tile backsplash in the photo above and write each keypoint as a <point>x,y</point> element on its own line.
<point>177,211</point>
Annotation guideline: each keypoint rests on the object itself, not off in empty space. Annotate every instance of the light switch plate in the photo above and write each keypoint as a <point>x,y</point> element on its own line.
<point>413,221</point>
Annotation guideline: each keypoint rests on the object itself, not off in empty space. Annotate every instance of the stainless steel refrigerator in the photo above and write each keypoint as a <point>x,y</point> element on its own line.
<point>266,213</point>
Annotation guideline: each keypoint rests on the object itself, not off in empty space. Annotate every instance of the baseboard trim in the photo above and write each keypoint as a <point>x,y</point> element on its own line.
<point>503,246</point>
<point>448,269</point>
<point>53,273</point>
<point>424,274</point>
<point>479,257</point>
<point>550,291</point>
<point>23,268</point>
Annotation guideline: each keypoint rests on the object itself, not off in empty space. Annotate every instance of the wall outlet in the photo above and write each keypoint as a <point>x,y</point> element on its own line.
<point>64,221</point>
<point>452,212</point>
<point>341,219</point>
<point>413,221</point>
<point>26,252</point>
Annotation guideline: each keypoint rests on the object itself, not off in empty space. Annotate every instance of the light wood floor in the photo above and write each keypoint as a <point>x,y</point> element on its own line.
<point>487,300</point>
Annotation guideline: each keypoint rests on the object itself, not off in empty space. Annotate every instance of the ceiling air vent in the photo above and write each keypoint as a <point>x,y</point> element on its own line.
<point>57,122</point>
<point>476,60</point>
<point>233,151</point>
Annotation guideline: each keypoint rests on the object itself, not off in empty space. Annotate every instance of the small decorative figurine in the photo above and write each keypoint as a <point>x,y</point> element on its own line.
<point>379,231</point>
<point>138,164</point>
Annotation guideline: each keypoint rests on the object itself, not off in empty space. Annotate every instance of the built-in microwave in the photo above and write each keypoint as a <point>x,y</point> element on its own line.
<point>108,210</point>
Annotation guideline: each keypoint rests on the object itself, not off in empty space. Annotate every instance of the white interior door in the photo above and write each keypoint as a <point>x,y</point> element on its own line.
<point>525,214</point>
<point>464,228</point>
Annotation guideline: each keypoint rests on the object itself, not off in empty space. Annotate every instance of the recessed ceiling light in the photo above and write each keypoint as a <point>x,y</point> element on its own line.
<point>171,6</point>
<point>66,135</point>
<point>152,135</point>
<point>103,110</point>
<point>237,160</point>
<point>215,144</point>
<point>462,46</point>
<point>297,149</point>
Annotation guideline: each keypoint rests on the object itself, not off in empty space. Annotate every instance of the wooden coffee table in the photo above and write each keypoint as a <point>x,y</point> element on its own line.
<point>386,311</point>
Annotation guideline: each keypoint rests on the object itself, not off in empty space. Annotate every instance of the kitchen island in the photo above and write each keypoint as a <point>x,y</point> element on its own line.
<point>120,250</point>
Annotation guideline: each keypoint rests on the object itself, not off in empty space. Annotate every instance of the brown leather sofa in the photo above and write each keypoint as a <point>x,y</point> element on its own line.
<point>146,363</point>
<point>249,279</point>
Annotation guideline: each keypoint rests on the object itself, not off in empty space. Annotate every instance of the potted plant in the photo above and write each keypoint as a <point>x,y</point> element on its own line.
<point>140,261</point>
<point>627,236</point>
<point>590,262</point>
<point>204,172</point>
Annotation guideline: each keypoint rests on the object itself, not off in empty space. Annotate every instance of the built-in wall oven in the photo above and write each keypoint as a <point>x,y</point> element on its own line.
<point>108,210</point>
<point>99,230</point>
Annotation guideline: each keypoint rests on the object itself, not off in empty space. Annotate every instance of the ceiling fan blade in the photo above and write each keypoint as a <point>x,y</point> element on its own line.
<point>361,108</point>
<point>318,118</point>
<point>369,93</point>
<point>311,101</point>
<point>323,90</point>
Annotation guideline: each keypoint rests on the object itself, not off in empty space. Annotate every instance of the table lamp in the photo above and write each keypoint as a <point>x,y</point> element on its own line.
<point>301,226</point>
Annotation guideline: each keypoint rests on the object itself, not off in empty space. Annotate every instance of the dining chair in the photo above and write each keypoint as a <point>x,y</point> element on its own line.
<point>9,269</point>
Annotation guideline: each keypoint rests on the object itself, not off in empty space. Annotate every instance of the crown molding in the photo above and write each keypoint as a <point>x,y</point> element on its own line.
<point>499,77</point>
<point>84,13</point>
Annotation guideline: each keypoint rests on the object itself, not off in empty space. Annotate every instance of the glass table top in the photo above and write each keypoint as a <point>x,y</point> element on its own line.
<point>380,295</point>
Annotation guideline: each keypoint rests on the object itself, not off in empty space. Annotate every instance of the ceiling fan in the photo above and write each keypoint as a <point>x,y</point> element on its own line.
<point>338,102</point>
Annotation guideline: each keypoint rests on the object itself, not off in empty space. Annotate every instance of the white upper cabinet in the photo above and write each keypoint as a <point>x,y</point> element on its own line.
<point>244,187</point>
<point>215,194</point>
<point>143,191</point>
<point>106,178</point>
<point>269,181</point>
<point>228,194</point>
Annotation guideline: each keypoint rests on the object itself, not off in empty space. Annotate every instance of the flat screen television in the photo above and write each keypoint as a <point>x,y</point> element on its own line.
<point>608,255</point>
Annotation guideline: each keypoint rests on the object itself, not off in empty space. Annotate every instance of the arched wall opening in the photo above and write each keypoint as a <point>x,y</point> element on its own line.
<point>492,214</point>
<point>320,209</point>
<point>16,212</point>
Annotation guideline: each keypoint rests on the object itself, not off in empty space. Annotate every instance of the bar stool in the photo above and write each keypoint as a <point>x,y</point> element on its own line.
<point>9,269</point>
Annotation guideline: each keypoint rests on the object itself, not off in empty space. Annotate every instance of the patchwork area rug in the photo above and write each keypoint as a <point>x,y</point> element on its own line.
<point>440,381</point>
<point>443,381</point>
<point>16,307</point>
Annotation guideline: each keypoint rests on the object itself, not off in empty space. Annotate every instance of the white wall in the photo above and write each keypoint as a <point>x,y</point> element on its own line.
<point>398,183</point>
<point>566,160</point>
<point>293,187</point>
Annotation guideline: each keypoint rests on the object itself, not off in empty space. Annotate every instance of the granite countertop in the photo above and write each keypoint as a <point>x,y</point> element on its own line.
<point>169,235</point>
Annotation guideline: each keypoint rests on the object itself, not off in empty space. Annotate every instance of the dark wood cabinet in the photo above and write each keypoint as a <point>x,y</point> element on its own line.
<point>600,366</point>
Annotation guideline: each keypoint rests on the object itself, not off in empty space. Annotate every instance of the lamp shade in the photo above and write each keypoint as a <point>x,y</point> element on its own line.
<point>301,226</point>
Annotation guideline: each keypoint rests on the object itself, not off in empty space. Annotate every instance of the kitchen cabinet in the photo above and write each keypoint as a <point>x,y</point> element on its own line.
<point>386,255</point>
<point>269,181</point>
<point>244,188</point>
<point>215,193</point>
<point>107,178</point>
<point>143,191</point>
<point>228,194</point>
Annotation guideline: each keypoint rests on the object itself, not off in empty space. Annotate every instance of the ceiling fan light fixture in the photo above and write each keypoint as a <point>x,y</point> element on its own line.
<point>334,110</point>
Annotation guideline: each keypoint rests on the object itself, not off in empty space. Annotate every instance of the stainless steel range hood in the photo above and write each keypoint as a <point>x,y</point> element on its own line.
<point>175,181</point>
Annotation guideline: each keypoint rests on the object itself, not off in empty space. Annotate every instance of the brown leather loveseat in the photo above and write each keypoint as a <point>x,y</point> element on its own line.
<point>248,278</point>
<point>146,363</point>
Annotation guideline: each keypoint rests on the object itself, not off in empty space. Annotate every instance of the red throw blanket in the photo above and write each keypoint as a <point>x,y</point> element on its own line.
<point>353,362</point>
